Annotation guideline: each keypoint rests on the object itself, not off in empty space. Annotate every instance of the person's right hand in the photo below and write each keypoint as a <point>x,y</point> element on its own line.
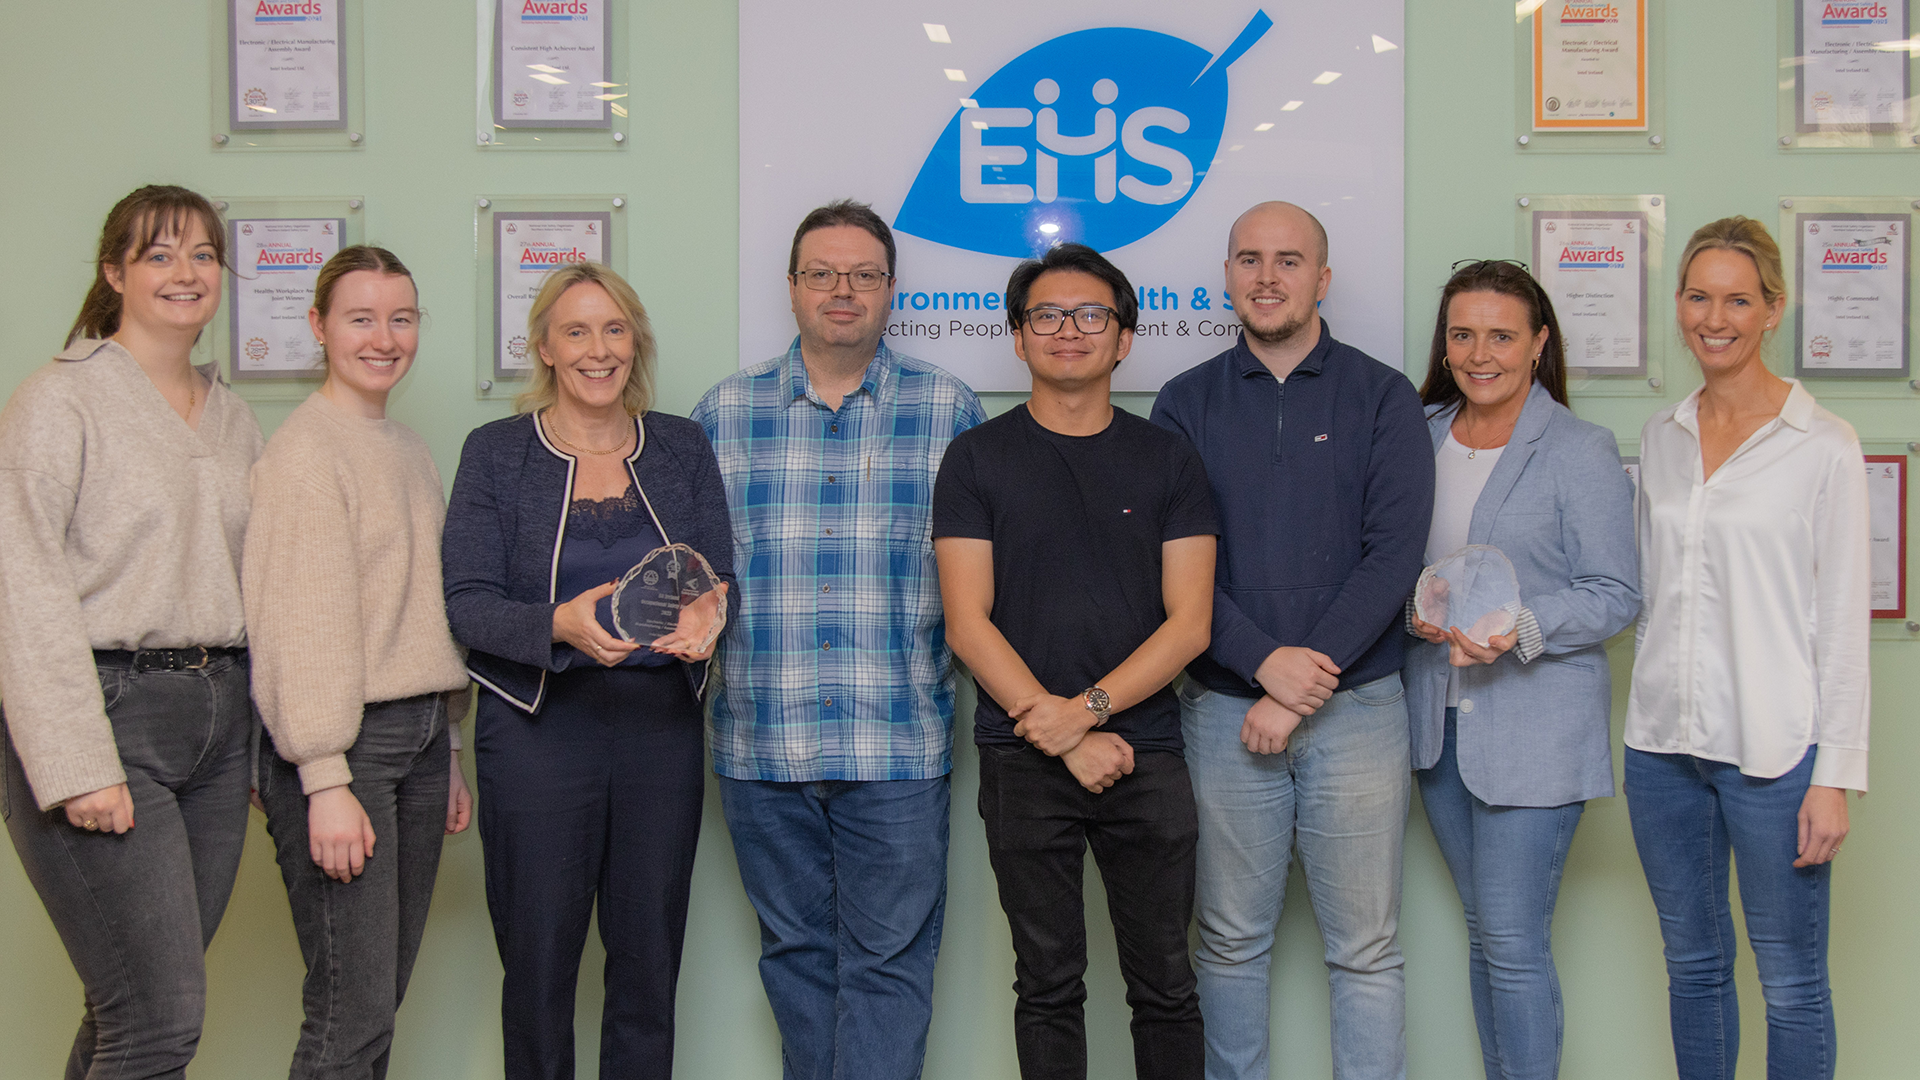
<point>1301,679</point>
<point>339,833</point>
<point>1268,726</point>
<point>574,622</point>
<point>1428,632</point>
<point>1099,760</point>
<point>107,810</point>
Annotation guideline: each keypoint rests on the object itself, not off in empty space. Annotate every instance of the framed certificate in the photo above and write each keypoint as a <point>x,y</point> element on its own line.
<point>527,246</point>
<point>275,263</point>
<point>1854,286</point>
<point>1887,531</point>
<point>286,65</point>
<point>1847,77</point>
<point>552,64</point>
<point>1590,65</point>
<point>1593,266</point>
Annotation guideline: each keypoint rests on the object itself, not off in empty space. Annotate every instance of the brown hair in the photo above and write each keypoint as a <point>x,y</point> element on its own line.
<point>1749,238</point>
<point>843,212</point>
<point>133,225</point>
<point>1506,278</point>
<point>346,261</point>
<point>542,390</point>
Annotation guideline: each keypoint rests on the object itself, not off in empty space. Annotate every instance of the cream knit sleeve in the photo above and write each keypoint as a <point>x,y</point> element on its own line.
<point>51,691</point>
<point>302,597</point>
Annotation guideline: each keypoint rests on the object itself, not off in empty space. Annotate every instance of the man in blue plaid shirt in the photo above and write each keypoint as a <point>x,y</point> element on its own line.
<point>832,726</point>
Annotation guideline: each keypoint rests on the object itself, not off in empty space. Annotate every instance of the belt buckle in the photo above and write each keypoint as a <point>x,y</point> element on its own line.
<point>205,659</point>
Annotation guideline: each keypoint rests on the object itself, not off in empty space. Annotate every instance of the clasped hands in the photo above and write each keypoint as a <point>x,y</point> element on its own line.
<point>1062,727</point>
<point>576,623</point>
<point>1464,651</point>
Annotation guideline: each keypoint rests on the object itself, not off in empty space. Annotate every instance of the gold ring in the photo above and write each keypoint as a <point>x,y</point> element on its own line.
<point>91,824</point>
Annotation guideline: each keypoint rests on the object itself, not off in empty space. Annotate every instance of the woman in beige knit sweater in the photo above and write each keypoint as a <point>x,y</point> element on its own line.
<point>123,508</point>
<point>354,669</point>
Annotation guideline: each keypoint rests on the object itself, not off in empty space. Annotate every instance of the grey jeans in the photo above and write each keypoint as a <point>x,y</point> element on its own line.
<point>360,938</point>
<point>137,910</point>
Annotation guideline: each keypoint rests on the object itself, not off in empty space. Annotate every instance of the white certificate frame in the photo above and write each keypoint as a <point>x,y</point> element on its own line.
<point>494,379</point>
<point>1646,377</point>
<point>1645,133</point>
<point>1796,133</point>
<point>231,135</point>
<point>1888,478</point>
<point>493,134</point>
<point>221,343</point>
<point>1785,357</point>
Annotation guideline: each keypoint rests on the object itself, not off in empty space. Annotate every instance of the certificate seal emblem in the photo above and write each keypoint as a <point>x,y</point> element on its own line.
<point>1553,104</point>
<point>1814,228</point>
<point>1821,347</point>
<point>257,349</point>
<point>246,228</point>
<point>254,98</point>
<point>517,348</point>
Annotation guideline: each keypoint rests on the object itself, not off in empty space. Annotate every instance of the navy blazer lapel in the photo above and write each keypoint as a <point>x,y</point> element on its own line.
<point>1513,461</point>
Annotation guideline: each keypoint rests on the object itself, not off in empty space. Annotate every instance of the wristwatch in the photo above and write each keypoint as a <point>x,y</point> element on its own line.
<point>1098,703</point>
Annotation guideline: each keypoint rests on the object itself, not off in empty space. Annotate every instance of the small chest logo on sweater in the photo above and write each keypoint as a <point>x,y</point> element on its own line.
<point>1319,438</point>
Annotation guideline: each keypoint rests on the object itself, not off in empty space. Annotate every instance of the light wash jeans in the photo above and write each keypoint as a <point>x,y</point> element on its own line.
<point>1506,863</point>
<point>1339,791</point>
<point>849,878</point>
<point>1692,818</point>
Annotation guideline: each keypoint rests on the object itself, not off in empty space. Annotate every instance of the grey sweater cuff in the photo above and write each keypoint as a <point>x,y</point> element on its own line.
<point>1527,629</point>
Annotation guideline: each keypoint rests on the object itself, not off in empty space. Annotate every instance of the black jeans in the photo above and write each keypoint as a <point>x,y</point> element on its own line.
<point>360,938</point>
<point>595,800</point>
<point>1040,822</point>
<point>137,910</point>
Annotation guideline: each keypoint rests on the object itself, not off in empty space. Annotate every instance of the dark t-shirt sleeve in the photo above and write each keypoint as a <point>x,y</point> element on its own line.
<point>959,507</point>
<point>1190,510</point>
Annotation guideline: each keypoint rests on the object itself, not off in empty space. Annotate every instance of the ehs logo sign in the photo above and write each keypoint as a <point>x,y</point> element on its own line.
<point>291,12</point>
<point>1099,136</point>
<point>1853,15</point>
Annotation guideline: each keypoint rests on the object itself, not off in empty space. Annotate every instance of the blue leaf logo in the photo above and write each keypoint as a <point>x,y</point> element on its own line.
<point>1099,136</point>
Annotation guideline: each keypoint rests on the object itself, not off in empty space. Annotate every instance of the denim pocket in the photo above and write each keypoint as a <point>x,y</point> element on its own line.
<point>113,686</point>
<point>1382,691</point>
<point>1192,691</point>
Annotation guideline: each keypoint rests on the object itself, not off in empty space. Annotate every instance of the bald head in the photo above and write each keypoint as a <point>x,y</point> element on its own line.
<point>1284,215</point>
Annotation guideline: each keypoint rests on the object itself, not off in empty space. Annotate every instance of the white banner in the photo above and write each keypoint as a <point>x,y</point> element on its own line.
<point>1142,129</point>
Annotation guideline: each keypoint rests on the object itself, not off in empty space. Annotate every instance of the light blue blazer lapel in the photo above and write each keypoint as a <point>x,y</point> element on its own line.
<point>1513,461</point>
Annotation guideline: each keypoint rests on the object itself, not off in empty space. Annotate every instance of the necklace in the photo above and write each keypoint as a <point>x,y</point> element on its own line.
<point>1473,450</point>
<point>554,430</point>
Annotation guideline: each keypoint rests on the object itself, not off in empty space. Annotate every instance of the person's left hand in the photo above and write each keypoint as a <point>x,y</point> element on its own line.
<point>1465,653</point>
<point>459,799</point>
<point>1823,824</point>
<point>1054,725</point>
<point>694,637</point>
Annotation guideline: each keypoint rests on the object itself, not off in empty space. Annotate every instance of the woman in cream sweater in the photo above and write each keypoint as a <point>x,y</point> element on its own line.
<point>123,507</point>
<point>354,668</point>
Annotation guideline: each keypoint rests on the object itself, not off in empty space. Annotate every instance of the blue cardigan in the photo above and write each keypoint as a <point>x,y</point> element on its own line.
<point>506,522</point>
<point>1560,507</point>
<point>1325,492</point>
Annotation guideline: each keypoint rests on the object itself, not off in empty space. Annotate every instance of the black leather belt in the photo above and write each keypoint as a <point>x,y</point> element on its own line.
<point>189,659</point>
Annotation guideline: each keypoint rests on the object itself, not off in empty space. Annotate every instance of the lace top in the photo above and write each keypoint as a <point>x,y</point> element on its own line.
<point>608,520</point>
<point>605,539</point>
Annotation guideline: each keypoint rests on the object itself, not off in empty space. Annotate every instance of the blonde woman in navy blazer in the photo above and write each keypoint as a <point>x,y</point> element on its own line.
<point>1510,739</point>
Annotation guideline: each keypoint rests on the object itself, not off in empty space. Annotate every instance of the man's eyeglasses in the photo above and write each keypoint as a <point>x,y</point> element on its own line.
<point>1091,319</point>
<point>820,280</point>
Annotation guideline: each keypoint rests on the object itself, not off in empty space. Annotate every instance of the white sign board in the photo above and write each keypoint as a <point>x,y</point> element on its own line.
<point>1140,129</point>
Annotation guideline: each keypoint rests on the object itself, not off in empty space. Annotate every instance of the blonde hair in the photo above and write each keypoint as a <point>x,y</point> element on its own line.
<point>542,391</point>
<point>1749,238</point>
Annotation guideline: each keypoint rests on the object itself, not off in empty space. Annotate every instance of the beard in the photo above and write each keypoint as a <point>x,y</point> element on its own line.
<point>1274,335</point>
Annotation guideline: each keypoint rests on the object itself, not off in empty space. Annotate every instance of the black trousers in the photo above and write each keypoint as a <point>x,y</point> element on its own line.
<point>597,798</point>
<point>1040,822</point>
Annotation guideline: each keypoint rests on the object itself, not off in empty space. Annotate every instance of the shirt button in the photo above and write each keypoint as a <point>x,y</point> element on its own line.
<point>826,588</point>
<point>1466,705</point>
<point>828,703</point>
<point>826,646</point>
<point>829,532</point>
<point>835,429</point>
<point>830,480</point>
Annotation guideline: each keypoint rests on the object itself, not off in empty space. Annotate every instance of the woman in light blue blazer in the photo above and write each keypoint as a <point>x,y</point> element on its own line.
<point>1510,738</point>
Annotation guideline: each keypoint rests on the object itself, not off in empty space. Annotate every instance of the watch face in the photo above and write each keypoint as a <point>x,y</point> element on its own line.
<point>1098,701</point>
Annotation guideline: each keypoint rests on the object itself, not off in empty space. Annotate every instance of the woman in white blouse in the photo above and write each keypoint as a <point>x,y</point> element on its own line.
<point>1747,720</point>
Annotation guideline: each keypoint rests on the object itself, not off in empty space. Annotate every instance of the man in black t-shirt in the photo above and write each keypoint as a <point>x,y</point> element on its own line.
<point>1075,544</point>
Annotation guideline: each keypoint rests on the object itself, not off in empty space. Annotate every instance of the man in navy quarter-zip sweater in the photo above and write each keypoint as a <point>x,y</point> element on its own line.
<point>1293,719</point>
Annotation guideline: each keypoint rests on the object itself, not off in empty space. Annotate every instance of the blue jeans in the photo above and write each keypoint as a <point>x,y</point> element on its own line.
<point>849,879</point>
<point>137,910</point>
<point>1040,823</point>
<point>1340,792</point>
<point>1506,863</point>
<point>1691,818</point>
<point>360,938</point>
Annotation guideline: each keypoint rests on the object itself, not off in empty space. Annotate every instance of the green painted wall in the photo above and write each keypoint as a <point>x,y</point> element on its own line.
<point>102,96</point>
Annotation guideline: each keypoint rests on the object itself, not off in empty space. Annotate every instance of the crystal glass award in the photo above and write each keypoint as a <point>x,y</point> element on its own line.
<point>672,589</point>
<point>1474,589</point>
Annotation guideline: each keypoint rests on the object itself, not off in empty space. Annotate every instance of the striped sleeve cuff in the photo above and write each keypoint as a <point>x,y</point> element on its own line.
<point>1410,629</point>
<point>1527,629</point>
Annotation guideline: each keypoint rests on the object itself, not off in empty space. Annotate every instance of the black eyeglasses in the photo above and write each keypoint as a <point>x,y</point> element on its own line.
<point>1478,264</point>
<point>820,280</point>
<point>1090,318</point>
